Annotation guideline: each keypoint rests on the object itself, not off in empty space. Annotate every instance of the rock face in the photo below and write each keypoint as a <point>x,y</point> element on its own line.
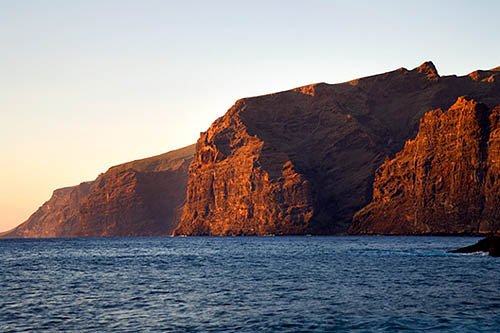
<point>446,181</point>
<point>139,198</point>
<point>489,244</point>
<point>302,161</point>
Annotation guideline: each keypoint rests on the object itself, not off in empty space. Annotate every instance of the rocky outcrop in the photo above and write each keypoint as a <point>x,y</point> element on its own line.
<point>489,244</point>
<point>139,198</point>
<point>445,181</point>
<point>302,161</point>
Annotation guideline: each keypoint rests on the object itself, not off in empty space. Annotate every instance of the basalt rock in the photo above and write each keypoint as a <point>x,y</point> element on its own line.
<point>445,181</point>
<point>139,198</point>
<point>489,244</point>
<point>302,161</point>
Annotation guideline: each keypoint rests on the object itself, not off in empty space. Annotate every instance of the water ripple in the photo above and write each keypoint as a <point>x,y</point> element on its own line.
<point>247,284</point>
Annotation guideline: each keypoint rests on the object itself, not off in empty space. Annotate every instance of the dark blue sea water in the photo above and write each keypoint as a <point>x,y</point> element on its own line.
<point>248,284</point>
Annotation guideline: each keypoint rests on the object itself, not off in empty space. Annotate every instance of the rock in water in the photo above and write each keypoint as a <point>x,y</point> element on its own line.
<point>139,198</point>
<point>489,244</point>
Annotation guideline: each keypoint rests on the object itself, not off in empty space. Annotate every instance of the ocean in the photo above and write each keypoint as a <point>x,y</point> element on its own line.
<point>247,284</point>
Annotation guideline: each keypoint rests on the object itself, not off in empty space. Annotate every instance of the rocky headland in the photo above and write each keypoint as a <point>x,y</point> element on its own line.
<point>139,198</point>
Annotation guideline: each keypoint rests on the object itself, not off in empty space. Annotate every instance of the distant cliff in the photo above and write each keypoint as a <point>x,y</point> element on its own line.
<point>139,198</point>
<point>446,181</point>
<point>303,161</point>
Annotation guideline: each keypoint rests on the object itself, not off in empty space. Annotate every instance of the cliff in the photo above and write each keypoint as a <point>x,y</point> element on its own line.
<point>302,161</point>
<point>305,161</point>
<point>445,181</point>
<point>139,198</point>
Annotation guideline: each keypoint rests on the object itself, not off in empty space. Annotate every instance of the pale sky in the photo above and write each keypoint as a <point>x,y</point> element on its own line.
<point>88,84</point>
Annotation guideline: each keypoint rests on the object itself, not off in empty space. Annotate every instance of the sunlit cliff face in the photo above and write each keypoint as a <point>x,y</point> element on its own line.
<point>446,180</point>
<point>330,139</point>
<point>303,161</point>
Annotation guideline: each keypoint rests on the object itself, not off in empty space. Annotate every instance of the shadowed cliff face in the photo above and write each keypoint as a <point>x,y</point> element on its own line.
<point>138,198</point>
<point>446,181</point>
<point>302,161</point>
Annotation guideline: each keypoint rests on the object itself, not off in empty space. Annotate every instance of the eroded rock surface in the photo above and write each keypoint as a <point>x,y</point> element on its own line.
<point>445,181</point>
